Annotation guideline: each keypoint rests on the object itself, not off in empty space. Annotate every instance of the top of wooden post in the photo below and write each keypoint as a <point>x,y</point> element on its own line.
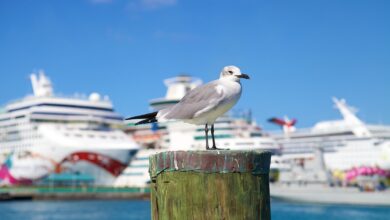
<point>210,161</point>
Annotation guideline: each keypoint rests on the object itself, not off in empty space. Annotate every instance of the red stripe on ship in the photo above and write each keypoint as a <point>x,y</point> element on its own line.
<point>111,165</point>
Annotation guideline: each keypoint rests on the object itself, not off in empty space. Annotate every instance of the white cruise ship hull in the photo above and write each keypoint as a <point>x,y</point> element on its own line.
<point>323,194</point>
<point>102,160</point>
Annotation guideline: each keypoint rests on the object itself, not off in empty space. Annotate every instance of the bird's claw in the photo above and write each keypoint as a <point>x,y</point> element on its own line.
<point>215,148</point>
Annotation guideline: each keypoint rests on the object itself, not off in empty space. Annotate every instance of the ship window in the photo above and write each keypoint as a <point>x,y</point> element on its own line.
<point>256,135</point>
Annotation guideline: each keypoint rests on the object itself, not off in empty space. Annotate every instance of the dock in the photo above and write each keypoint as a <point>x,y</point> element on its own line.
<point>72,193</point>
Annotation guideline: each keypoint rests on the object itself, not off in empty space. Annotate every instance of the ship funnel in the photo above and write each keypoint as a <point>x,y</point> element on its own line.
<point>287,124</point>
<point>41,84</point>
<point>349,114</point>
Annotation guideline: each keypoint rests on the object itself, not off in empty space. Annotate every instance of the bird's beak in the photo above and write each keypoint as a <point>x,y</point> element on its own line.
<point>243,75</point>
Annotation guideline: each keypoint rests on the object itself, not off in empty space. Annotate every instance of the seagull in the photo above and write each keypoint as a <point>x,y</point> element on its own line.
<point>203,104</point>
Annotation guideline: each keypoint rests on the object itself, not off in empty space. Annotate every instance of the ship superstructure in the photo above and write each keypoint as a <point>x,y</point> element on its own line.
<point>46,135</point>
<point>346,143</point>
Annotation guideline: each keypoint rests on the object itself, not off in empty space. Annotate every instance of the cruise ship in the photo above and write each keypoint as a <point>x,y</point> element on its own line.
<point>355,173</point>
<point>232,132</point>
<point>335,162</point>
<point>346,143</point>
<point>44,136</point>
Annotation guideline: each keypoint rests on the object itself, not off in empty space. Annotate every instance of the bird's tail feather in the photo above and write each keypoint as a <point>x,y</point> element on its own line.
<point>147,118</point>
<point>146,121</point>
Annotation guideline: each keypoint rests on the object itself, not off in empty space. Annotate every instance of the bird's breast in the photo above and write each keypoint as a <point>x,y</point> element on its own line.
<point>231,91</point>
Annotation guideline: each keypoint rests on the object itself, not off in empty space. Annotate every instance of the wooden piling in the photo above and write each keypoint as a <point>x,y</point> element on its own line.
<point>210,185</point>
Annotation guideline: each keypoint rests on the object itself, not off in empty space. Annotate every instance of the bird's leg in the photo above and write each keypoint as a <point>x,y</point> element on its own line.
<point>214,147</point>
<point>212,136</point>
<point>206,130</point>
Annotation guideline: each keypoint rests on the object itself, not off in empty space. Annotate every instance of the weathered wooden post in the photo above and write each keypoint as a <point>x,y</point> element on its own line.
<point>210,185</point>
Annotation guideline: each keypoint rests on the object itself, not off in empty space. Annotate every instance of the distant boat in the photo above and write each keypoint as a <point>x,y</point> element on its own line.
<point>45,136</point>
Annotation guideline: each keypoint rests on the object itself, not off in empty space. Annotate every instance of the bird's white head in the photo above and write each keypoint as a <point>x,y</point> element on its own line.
<point>232,73</point>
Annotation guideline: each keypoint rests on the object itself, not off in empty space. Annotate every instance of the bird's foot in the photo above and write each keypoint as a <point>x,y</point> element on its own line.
<point>215,148</point>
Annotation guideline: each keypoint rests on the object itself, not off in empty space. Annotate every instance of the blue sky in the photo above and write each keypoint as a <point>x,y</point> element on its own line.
<point>298,53</point>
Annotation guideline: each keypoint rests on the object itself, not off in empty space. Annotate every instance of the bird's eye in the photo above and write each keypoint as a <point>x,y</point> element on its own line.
<point>231,72</point>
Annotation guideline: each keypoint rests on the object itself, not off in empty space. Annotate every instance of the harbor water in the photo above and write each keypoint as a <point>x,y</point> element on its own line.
<point>140,209</point>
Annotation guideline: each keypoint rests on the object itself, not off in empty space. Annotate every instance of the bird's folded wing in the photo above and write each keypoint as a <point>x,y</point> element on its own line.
<point>199,100</point>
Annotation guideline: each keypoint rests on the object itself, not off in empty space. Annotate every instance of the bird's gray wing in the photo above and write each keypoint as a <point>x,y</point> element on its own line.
<point>201,99</point>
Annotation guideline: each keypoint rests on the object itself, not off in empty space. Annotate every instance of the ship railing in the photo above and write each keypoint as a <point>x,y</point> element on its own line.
<point>75,96</point>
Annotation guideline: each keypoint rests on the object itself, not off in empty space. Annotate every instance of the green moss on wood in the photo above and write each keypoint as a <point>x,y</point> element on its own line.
<point>190,195</point>
<point>209,195</point>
